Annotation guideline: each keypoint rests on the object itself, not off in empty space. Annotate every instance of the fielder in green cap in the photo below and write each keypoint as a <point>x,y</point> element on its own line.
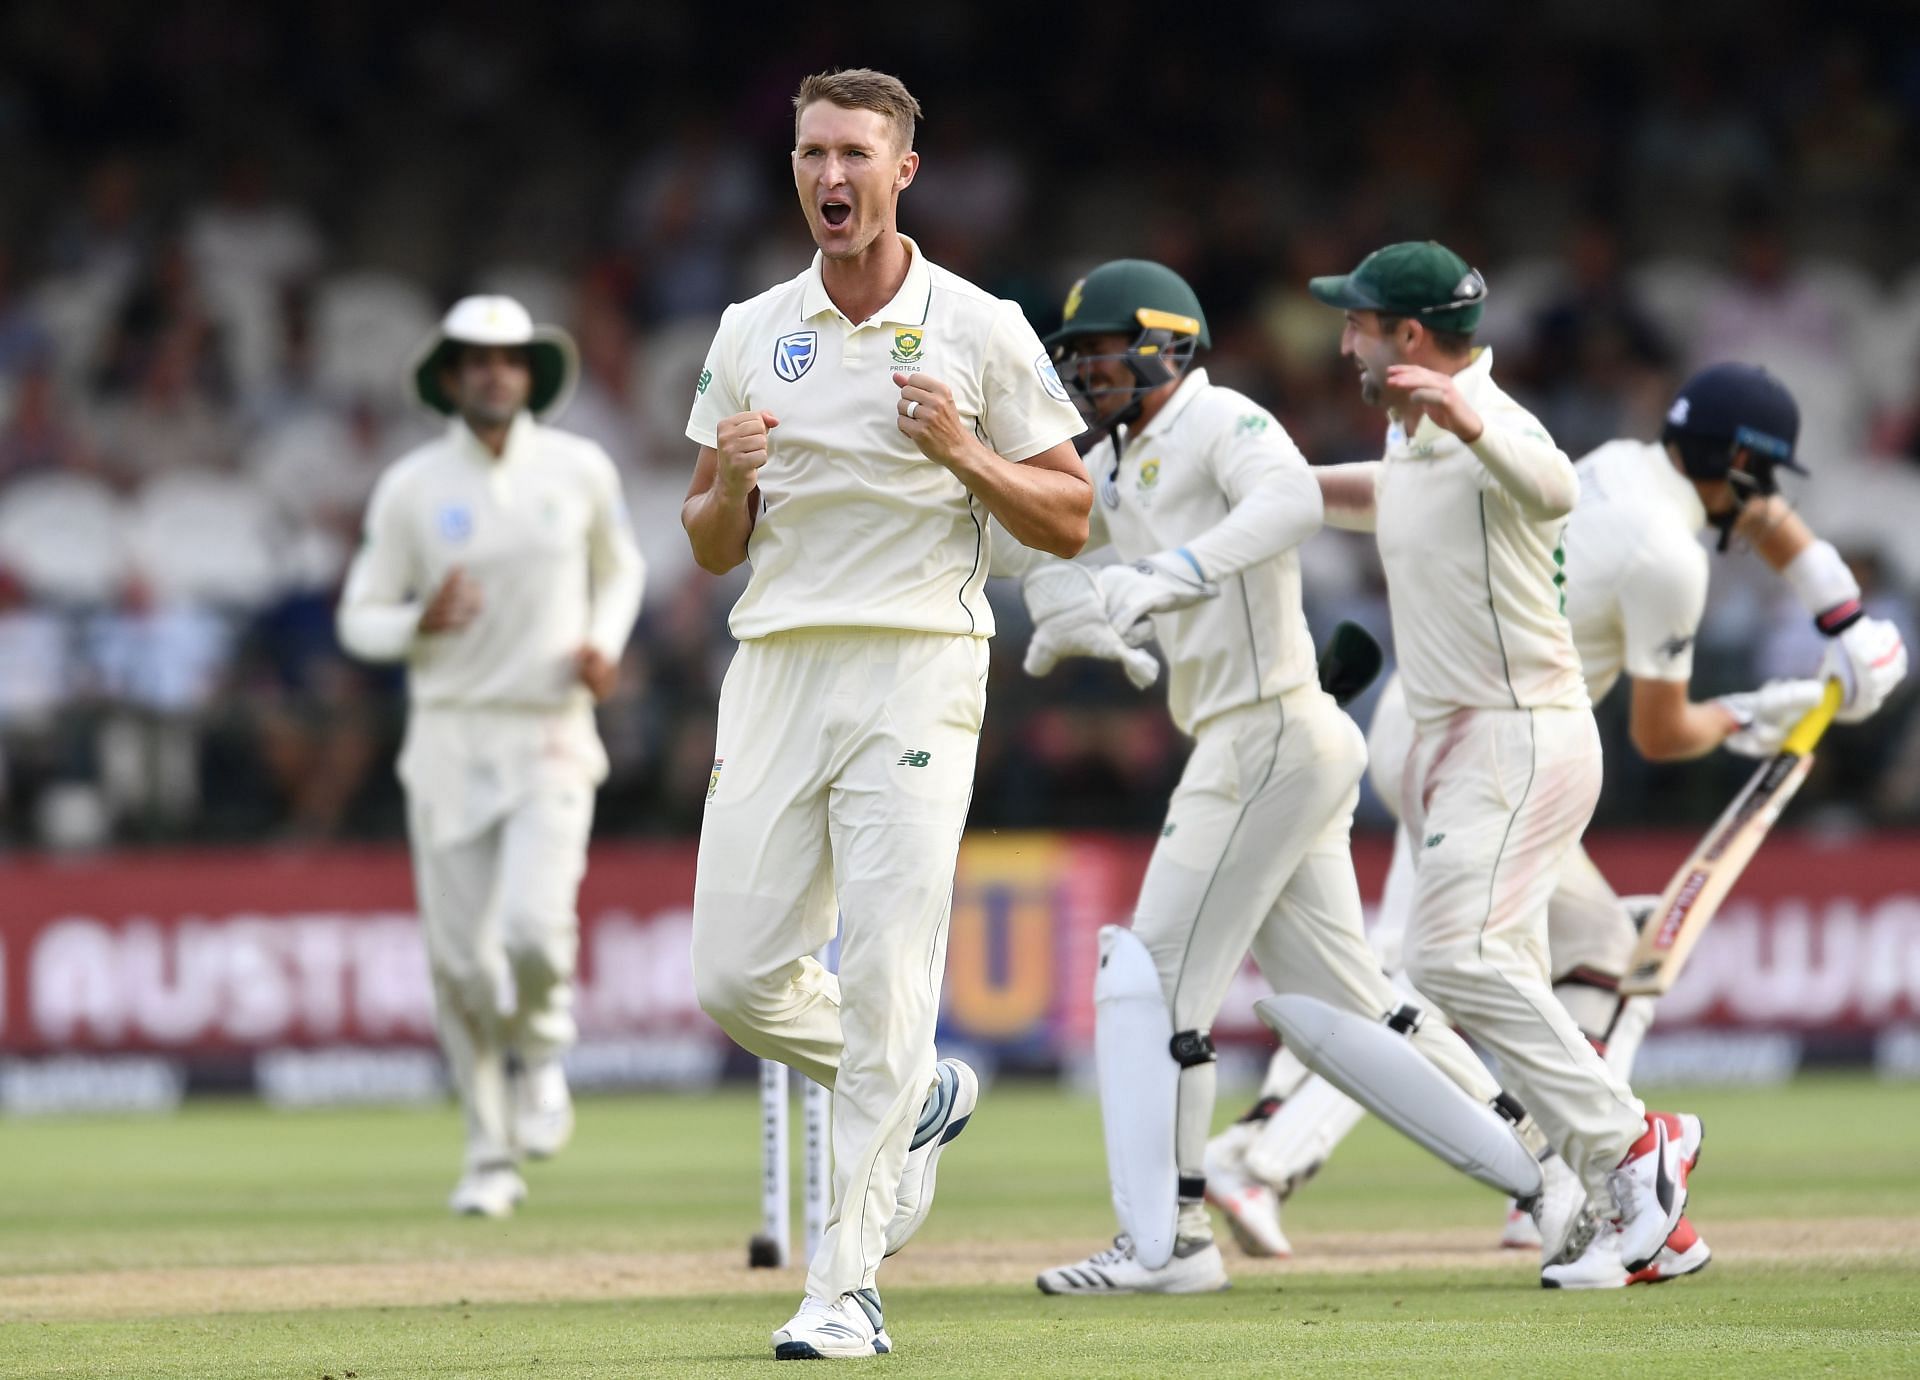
<point>1470,505</point>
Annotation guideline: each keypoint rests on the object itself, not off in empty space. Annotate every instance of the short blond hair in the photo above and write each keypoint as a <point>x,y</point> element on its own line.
<point>861,88</point>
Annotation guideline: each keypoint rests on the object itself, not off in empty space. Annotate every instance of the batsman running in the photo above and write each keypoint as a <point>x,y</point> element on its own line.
<point>1204,497</point>
<point>1636,588</point>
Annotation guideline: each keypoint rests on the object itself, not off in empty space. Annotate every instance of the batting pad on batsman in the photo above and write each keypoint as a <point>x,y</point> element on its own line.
<point>1384,1073</point>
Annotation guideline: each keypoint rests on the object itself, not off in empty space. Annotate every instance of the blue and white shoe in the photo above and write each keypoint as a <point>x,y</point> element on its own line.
<point>845,1328</point>
<point>942,1117</point>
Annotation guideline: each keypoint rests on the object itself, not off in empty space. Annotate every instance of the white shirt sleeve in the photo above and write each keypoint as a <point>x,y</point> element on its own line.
<point>379,613</point>
<point>1026,408</point>
<point>1662,596</point>
<point>1522,462</point>
<point>619,574</point>
<point>1276,500</point>
<point>716,395</point>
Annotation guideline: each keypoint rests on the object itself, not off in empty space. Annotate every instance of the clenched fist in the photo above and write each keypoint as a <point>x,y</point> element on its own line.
<point>454,605</point>
<point>741,441</point>
<point>929,417</point>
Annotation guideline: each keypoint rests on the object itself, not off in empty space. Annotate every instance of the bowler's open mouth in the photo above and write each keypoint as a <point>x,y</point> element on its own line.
<point>835,213</point>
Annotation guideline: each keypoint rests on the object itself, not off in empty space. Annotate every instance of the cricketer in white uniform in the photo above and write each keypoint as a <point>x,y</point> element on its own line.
<point>1204,498</point>
<point>500,565</point>
<point>1469,506</point>
<point>858,425</point>
<point>1636,590</point>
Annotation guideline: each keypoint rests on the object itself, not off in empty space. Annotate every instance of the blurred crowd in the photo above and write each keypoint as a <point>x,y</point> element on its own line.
<point>231,229</point>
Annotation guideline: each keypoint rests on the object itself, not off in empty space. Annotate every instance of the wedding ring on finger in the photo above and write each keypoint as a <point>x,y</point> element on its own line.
<point>913,408</point>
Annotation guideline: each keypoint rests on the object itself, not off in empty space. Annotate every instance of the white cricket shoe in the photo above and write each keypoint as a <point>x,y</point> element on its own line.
<point>543,1110</point>
<point>1562,1224</point>
<point>1251,1207</point>
<point>846,1327</point>
<point>493,1191</point>
<point>944,1115</point>
<point>1520,1232</point>
<point>1650,1186</point>
<point>1597,1267</point>
<point>1685,1253</point>
<point>1194,1269</point>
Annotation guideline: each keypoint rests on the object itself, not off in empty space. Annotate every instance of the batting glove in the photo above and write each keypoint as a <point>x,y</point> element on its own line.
<point>1070,619</point>
<point>1869,660</point>
<point>1159,583</point>
<point>1768,714</point>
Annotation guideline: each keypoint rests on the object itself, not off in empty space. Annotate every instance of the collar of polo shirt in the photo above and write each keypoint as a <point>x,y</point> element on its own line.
<point>1470,381</point>
<point>908,307</point>
<point>468,444</point>
<point>1190,388</point>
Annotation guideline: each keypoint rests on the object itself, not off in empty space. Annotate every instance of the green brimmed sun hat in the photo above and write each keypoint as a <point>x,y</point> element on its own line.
<point>551,357</point>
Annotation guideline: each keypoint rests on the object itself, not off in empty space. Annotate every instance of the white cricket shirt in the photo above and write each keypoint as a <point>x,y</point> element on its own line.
<point>857,528</point>
<point>1204,452</point>
<point>1475,585</point>
<point>542,530</point>
<point>1636,572</point>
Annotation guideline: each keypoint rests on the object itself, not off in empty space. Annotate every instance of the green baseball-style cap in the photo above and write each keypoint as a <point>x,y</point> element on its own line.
<point>1419,278</point>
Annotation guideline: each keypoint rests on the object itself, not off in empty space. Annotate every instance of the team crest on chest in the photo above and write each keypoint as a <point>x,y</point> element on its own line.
<point>456,523</point>
<point>907,344</point>
<point>793,354</point>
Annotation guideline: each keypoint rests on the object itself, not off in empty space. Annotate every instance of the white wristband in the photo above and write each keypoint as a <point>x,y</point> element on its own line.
<point>1820,579</point>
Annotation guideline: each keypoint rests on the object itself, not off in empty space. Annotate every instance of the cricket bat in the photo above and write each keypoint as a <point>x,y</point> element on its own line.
<point>1703,881</point>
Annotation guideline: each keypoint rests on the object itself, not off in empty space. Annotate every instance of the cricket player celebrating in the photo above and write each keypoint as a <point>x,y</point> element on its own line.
<point>857,426</point>
<point>1205,497</point>
<point>1470,505</point>
<point>499,564</point>
<point>1637,579</point>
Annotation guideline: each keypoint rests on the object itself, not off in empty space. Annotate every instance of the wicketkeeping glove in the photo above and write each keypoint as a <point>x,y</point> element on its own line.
<point>1070,619</point>
<point>1160,583</point>
<point>1768,714</point>
<point>1869,660</point>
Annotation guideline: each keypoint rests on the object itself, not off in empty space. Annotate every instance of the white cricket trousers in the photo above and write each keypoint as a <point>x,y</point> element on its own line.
<point>1590,936</point>
<point>1494,802</point>
<point>1256,855</point>
<point>502,933</point>
<point>843,767</point>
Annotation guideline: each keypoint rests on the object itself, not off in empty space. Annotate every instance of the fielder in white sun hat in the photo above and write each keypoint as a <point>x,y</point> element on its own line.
<point>551,356</point>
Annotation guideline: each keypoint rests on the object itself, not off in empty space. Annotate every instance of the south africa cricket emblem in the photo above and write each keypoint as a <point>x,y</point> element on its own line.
<point>907,344</point>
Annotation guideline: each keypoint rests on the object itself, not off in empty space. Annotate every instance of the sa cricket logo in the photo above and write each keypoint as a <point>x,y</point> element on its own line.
<point>713,782</point>
<point>906,345</point>
<point>1149,474</point>
<point>793,354</point>
<point>1072,308</point>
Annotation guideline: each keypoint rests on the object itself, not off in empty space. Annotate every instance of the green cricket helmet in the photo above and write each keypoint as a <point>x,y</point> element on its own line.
<point>1146,301</point>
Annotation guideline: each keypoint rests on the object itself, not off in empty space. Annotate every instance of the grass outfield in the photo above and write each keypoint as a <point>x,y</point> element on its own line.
<point>235,1242</point>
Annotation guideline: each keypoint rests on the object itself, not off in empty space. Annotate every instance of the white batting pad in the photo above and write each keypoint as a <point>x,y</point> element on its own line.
<point>1139,1085</point>
<point>1384,1073</point>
